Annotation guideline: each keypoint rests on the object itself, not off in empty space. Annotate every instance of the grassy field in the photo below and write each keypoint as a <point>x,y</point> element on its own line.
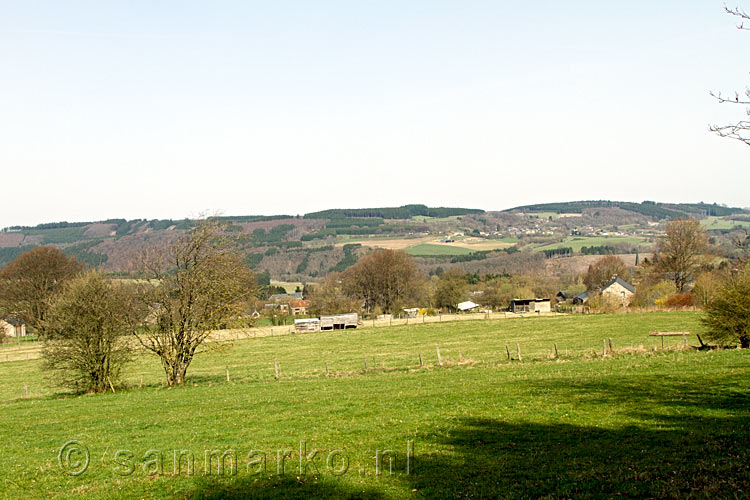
<point>289,286</point>
<point>633,423</point>
<point>719,223</point>
<point>576,242</point>
<point>430,249</point>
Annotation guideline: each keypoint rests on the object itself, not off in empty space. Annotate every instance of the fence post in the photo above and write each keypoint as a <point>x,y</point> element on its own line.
<point>604,347</point>
<point>518,351</point>
<point>610,345</point>
<point>420,359</point>
<point>227,374</point>
<point>440,358</point>
<point>507,350</point>
<point>276,368</point>
<point>555,351</point>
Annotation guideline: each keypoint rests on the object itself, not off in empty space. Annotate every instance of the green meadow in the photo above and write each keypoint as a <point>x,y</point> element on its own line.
<point>633,422</point>
<point>576,242</point>
<point>430,250</point>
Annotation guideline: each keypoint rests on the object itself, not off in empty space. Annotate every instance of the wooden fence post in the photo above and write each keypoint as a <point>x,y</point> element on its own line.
<point>507,350</point>
<point>610,344</point>
<point>140,384</point>
<point>555,350</point>
<point>440,358</point>
<point>276,369</point>
<point>227,374</point>
<point>518,351</point>
<point>604,347</point>
<point>420,359</point>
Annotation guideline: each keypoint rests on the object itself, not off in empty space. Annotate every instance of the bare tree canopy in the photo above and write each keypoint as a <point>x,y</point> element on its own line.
<point>28,283</point>
<point>680,252</point>
<point>603,270</point>
<point>202,285</point>
<point>388,279</point>
<point>740,130</point>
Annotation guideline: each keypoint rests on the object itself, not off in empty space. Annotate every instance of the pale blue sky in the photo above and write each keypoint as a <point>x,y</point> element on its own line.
<point>166,109</point>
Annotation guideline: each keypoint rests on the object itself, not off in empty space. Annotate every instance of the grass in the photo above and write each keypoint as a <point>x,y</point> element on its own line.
<point>429,249</point>
<point>289,286</point>
<point>576,242</point>
<point>637,423</point>
<point>720,223</point>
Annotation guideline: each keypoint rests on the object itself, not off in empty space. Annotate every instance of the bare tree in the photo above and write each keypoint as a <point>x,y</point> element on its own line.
<point>740,130</point>
<point>603,270</point>
<point>202,284</point>
<point>388,279</point>
<point>680,253</point>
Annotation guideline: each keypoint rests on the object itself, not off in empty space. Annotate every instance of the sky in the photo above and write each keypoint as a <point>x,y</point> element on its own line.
<point>173,109</point>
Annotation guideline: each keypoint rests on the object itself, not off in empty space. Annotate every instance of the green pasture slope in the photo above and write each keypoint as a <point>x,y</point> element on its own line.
<point>577,242</point>
<point>636,423</point>
<point>431,250</point>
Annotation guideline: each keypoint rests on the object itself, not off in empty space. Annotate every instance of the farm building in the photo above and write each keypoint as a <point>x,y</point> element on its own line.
<point>331,322</point>
<point>466,306</point>
<point>582,297</point>
<point>411,312</point>
<point>339,321</point>
<point>530,305</point>
<point>299,307</point>
<point>12,327</point>
<point>307,325</point>
<point>617,288</point>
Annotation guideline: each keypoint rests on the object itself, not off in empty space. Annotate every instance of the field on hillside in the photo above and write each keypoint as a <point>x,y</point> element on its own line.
<point>430,245</point>
<point>719,223</point>
<point>576,242</point>
<point>431,249</point>
<point>634,423</point>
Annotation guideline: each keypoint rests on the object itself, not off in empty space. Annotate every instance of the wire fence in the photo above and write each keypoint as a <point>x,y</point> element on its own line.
<point>32,349</point>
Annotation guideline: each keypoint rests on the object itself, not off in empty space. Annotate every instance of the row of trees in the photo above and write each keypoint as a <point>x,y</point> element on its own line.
<point>90,324</point>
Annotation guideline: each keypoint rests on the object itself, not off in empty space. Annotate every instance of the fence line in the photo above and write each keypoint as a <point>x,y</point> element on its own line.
<point>32,349</point>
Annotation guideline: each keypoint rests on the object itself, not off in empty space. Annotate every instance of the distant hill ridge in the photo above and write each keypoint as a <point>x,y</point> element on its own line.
<point>647,208</point>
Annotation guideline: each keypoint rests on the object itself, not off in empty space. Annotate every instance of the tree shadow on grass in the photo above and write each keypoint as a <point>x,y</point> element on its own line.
<point>286,488</point>
<point>496,459</point>
<point>679,447</point>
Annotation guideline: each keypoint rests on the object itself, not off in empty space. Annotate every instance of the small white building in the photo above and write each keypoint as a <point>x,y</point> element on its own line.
<point>467,306</point>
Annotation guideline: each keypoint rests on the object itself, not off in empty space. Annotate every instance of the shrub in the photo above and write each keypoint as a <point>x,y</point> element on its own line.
<point>87,324</point>
<point>680,300</point>
<point>728,314</point>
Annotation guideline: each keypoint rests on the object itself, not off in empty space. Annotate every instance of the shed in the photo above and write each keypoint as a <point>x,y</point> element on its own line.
<point>339,321</point>
<point>467,306</point>
<point>530,305</point>
<point>307,325</point>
